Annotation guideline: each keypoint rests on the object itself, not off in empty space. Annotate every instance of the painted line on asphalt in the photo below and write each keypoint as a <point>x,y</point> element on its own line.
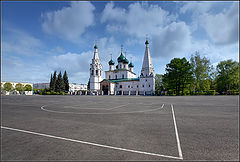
<point>65,112</point>
<point>95,108</point>
<point>117,107</point>
<point>177,136</point>
<point>90,143</point>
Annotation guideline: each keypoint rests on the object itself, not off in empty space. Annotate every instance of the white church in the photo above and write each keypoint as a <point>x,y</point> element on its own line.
<point>122,80</point>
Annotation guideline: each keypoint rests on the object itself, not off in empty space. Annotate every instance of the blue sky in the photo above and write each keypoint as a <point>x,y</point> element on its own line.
<point>40,37</point>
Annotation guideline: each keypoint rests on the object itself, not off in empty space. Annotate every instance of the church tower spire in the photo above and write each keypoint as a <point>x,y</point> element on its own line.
<point>147,78</point>
<point>95,72</point>
<point>147,67</point>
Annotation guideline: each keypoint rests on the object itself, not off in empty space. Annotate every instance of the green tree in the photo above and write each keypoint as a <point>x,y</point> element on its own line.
<point>28,87</point>
<point>159,84</point>
<point>54,80</point>
<point>178,75</point>
<point>60,83</point>
<point>201,69</point>
<point>227,76</point>
<point>19,87</point>
<point>8,87</point>
<point>51,83</point>
<point>65,80</point>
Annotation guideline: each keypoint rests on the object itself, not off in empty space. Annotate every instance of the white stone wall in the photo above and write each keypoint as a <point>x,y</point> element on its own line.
<point>112,74</point>
<point>127,86</point>
<point>147,85</point>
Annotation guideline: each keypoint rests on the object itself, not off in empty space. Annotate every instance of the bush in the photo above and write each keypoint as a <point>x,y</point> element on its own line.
<point>211,92</point>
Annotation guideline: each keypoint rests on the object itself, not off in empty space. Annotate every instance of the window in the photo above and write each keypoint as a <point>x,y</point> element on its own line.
<point>120,66</point>
<point>109,77</point>
<point>92,72</point>
<point>120,86</point>
<point>124,66</point>
<point>143,85</point>
<point>137,86</point>
<point>146,80</point>
<point>123,76</point>
<point>96,72</point>
<point>129,86</point>
<point>115,76</point>
<point>149,85</point>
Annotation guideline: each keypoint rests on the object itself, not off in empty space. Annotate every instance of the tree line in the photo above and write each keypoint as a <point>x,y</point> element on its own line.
<point>58,85</point>
<point>19,87</point>
<point>198,77</point>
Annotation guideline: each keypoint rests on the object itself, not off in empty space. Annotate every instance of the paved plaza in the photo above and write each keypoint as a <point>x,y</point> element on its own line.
<point>120,128</point>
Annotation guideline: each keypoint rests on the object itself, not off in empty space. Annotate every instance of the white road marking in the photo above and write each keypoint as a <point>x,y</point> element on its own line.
<point>177,137</point>
<point>95,108</point>
<point>117,107</point>
<point>64,112</point>
<point>90,143</point>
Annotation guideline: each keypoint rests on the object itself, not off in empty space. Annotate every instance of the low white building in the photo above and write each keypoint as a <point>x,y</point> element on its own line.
<point>41,85</point>
<point>76,89</point>
<point>14,86</point>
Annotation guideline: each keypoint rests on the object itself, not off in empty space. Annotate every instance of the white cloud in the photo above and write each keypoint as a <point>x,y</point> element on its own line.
<point>172,40</point>
<point>197,7</point>
<point>169,37</point>
<point>138,20</point>
<point>223,28</point>
<point>21,43</point>
<point>75,64</point>
<point>69,22</point>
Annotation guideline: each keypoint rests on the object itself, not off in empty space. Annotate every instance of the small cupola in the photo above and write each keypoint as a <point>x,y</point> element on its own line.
<point>111,62</point>
<point>131,64</point>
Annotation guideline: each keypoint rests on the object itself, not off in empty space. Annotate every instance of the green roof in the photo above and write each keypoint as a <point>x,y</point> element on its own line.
<point>121,58</point>
<point>95,46</point>
<point>131,64</point>
<point>125,61</point>
<point>146,42</point>
<point>123,80</point>
<point>111,62</point>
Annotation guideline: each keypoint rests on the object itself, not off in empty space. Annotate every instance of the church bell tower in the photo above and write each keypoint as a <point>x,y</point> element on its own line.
<point>95,72</point>
<point>147,79</point>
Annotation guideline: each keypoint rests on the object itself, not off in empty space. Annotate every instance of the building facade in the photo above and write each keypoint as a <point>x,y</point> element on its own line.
<point>77,89</point>
<point>122,80</point>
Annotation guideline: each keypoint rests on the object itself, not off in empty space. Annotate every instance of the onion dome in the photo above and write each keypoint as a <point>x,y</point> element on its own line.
<point>121,58</point>
<point>125,61</point>
<point>111,62</point>
<point>131,64</point>
<point>95,46</point>
<point>146,42</point>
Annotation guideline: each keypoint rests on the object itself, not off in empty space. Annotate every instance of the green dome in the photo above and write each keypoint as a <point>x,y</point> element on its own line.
<point>111,62</point>
<point>146,42</point>
<point>131,64</point>
<point>95,46</point>
<point>125,61</point>
<point>121,58</point>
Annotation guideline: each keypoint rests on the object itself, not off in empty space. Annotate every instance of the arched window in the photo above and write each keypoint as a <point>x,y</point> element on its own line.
<point>123,76</point>
<point>115,76</point>
<point>120,66</point>
<point>92,72</point>
<point>149,85</point>
<point>109,77</point>
<point>96,72</point>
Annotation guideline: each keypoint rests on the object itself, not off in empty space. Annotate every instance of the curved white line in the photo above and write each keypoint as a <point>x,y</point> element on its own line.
<point>42,108</point>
